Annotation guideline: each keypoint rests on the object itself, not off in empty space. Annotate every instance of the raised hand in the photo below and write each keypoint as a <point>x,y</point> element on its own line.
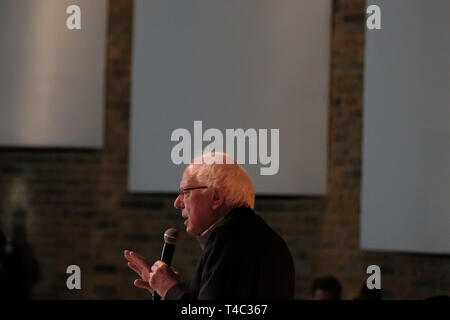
<point>142,267</point>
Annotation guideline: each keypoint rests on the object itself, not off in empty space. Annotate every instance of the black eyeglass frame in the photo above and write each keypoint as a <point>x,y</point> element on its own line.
<point>182,191</point>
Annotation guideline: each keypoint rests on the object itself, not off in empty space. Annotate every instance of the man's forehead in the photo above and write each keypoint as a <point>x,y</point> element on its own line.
<point>188,176</point>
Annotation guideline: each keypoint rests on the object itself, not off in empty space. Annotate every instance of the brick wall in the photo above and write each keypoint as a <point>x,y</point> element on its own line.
<point>74,207</point>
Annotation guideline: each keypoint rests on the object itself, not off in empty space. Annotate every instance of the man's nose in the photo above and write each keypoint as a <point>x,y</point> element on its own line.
<point>178,204</point>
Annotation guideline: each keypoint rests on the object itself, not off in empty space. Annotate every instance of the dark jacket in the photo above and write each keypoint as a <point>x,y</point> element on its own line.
<point>243,258</point>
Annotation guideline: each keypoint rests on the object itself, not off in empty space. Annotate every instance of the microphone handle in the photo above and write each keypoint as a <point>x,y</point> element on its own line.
<point>166,256</point>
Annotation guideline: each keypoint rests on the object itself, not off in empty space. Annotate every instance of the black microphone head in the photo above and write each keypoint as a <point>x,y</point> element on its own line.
<point>171,236</point>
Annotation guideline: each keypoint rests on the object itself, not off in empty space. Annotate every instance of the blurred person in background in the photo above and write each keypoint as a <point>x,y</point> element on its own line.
<point>369,294</point>
<point>19,268</point>
<point>326,288</point>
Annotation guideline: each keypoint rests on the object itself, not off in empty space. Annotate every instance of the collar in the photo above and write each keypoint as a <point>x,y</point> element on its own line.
<point>203,237</point>
<point>203,234</point>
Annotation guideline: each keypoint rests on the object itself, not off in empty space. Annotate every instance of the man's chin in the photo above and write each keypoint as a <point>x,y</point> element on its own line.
<point>189,230</point>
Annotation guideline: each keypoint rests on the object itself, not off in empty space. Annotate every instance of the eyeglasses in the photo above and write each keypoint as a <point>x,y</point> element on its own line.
<point>184,193</point>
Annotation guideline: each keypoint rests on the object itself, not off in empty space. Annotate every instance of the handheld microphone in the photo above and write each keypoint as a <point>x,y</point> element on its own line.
<point>170,239</point>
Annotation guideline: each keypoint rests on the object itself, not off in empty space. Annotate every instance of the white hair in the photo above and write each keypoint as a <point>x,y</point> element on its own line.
<point>217,169</point>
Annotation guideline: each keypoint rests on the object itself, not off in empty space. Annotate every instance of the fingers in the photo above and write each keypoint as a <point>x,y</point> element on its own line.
<point>138,257</point>
<point>143,284</point>
<point>159,263</point>
<point>131,263</point>
<point>158,274</point>
<point>133,267</point>
<point>131,256</point>
<point>126,254</point>
<point>140,263</point>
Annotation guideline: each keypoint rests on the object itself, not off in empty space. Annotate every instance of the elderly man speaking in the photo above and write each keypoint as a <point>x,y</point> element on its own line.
<point>243,258</point>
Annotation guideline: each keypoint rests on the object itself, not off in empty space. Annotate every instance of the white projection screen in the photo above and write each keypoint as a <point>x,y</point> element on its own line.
<point>406,144</point>
<point>52,78</point>
<point>261,64</point>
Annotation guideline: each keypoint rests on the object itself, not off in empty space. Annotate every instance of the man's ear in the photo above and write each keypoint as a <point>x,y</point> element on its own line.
<point>218,198</point>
